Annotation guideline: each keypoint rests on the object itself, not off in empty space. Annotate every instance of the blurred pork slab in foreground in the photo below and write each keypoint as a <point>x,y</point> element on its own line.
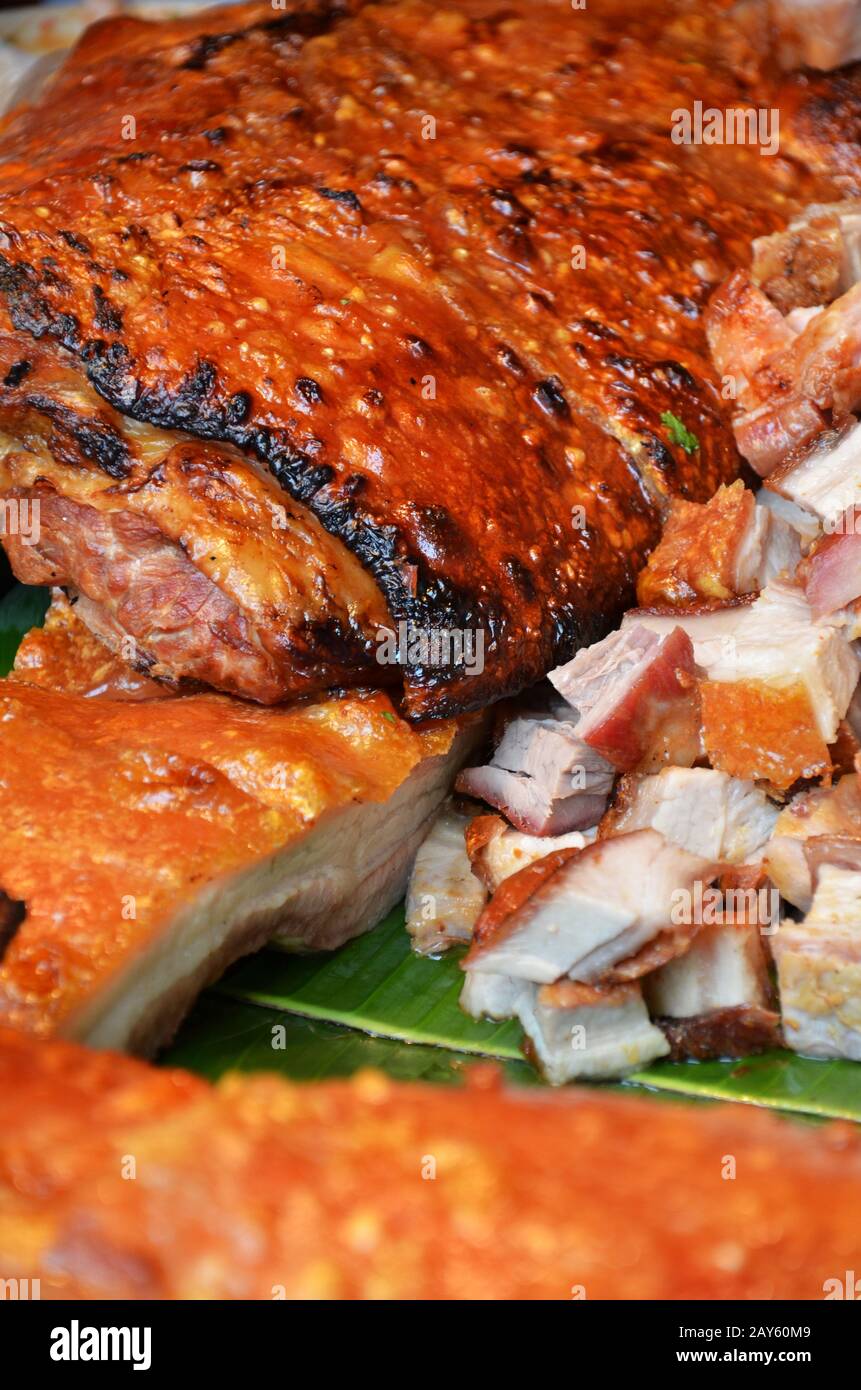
<point>368,1189</point>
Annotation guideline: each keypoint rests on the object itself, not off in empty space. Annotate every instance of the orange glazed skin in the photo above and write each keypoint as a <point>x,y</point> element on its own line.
<point>322,1191</point>
<point>124,800</point>
<point>458,345</point>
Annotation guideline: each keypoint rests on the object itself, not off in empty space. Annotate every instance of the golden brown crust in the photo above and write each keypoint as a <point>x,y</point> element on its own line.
<point>413,311</point>
<point>367,1189</point>
<point>119,810</point>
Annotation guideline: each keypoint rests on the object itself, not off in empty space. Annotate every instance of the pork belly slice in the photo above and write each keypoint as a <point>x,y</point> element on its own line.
<point>496,851</point>
<point>819,969</point>
<point>827,817</point>
<point>719,550</point>
<point>444,898</point>
<point>543,777</point>
<point>579,912</point>
<point>635,693</point>
<point>776,642</point>
<point>153,842</point>
<point>316,1192</point>
<point>703,810</point>
<point>725,968</point>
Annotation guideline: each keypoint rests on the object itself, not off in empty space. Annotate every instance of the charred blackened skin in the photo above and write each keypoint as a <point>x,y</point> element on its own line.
<point>341,195</point>
<point>17,373</point>
<point>12,914</point>
<point>96,439</point>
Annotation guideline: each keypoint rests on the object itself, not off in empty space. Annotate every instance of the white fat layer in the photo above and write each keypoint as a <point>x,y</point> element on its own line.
<point>827,480</point>
<point>819,969</point>
<point>339,879</point>
<point>705,811</point>
<point>444,898</point>
<point>725,968</point>
<point>804,523</point>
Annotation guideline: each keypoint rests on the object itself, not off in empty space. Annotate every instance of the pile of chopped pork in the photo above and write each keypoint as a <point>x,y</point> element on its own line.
<point>672,862</point>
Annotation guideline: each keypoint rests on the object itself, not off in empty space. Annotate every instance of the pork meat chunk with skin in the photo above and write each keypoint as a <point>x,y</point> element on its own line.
<point>824,822</point>
<point>496,850</point>
<point>544,778</point>
<point>580,912</point>
<point>635,693</point>
<point>573,1032</point>
<point>819,969</point>
<point>776,683</point>
<point>716,999</point>
<point>444,898</point>
<point>727,547</point>
<point>703,810</point>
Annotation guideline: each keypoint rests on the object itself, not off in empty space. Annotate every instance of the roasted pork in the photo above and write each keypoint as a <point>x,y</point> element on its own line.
<point>151,841</point>
<point>819,969</point>
<point>544,777</point>
<point>319,1190</point>
<point>444,898</point>
<point>249,371</point>
<point>580,912</point>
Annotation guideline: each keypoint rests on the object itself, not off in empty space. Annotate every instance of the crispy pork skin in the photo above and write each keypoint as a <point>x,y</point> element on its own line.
<point>726,547</point>
<point>434,278</point>
<point>819,969</point>
<point>154,841</point>
<point>320,1195</point>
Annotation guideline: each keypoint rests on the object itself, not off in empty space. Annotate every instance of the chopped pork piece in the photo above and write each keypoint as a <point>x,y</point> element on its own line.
<point>778,641</point>
<point>824,363</point>
<point>727,547</point>
<point>823,813</point>
<point>813,33</point>
<point>636,696</point>
<point>496,851</point>
<point>576,1031</point>
<point>705,811</point>
<point>831,573</point>
<point>744,331</point>
<point>444,899</point>
<point>581,912</point>
<point>794,677</point>
<point>766,434</point>
<point>825,478</point>
<point>573,1030</point>
<point>543,777</point>
<point>819,969</point>
<point>726,968</point>
<point>814,261</point>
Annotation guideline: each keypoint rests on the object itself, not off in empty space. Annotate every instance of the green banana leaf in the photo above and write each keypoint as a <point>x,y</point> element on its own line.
<point>375,1004</point>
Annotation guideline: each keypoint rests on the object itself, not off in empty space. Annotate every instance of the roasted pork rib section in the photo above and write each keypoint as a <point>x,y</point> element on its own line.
<point>421,275</point>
